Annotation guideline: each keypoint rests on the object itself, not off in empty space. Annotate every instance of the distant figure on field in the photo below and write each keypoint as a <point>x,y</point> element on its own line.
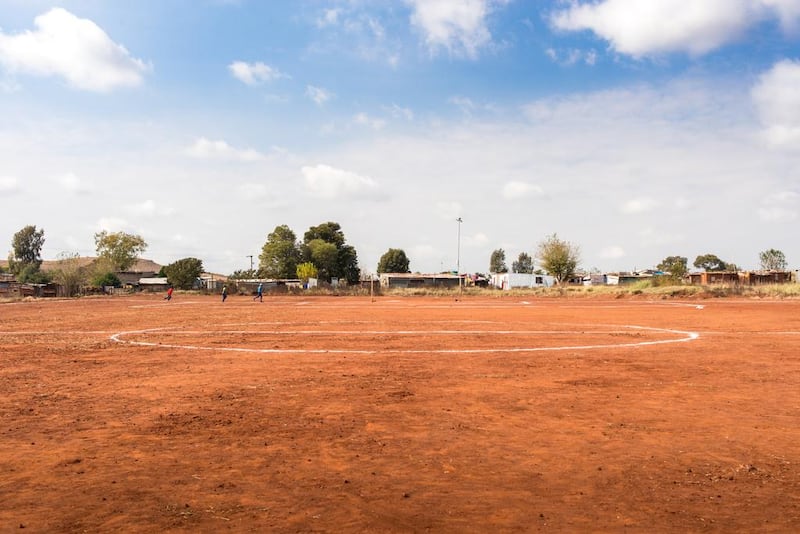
<point>259,293</point>
<point>169,293</point>
<point>224,293</point>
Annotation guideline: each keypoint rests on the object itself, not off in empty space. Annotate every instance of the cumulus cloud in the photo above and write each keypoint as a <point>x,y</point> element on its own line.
<point>254,73</point>
<point>639,205</point>
<point>207,149</point>
<point>638,28</point>
<point>8,185</point>
<point>515,190</point>
<point>329,182</point>
<point>148,208</point>
<point>571,56</point>
<point>70,182</point>
<point>612,252</point>
<point>458,26</point>
<point>777,99</point>
<point>319,95</point>
<point>76,49</point>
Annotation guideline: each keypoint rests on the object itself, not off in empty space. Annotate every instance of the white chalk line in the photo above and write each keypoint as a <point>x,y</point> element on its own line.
<point>687,336</point>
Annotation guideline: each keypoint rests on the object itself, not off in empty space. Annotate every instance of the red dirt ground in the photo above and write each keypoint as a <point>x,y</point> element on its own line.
<point>336,414</point>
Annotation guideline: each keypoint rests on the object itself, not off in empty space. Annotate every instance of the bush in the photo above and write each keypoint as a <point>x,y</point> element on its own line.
<point>106,279</point>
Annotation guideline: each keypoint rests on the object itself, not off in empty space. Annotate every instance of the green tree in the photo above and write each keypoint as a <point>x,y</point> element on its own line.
<point>559,258</point>
<point>497,262</point>
<point>394,260</point>
<point>69,273</point>
<point>246,274</point>
<point>106,279</point>
<point>280,254</point>
<point>773,260</point>
<point>119,249</point>
<point>26,251</point>
<point>523,264</point>
<point>346,263</point>
<point>324,256</point>
<point>306,270</point>
<point>676,266</point>
<point>709,262</point>
<point>184,273</point>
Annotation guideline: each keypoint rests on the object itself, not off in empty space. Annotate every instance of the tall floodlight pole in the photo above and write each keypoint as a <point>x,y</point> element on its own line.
<point>458,256</point>
<point>251,261</point>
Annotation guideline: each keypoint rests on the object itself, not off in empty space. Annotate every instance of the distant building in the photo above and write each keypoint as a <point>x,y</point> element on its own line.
<point>508,281</point>
<point>411,280</point>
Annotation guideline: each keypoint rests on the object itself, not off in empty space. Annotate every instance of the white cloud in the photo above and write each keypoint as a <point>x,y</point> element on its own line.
<point>8,185</point>
<point>612,252</point>
<point>639,205</point>
<point>783,206</point>
<point>262,194</point>
<point>515,190</point>
<point>449,210</point>
<point>207,149</point>
<point>76,49</point>
<point>319,95</point>
<point>477,240</point>
<point>328,182</point>
<point>399,112</point>
<point>572,56</point>
<point>114,224</point>
<point>254,73</point>
<point>643,28</point>
<point>458,26</point>
<point>777,99</point>
<point>70,182</point>
<point>148,208</point>
<point>363,119</point>
<point>329,17</point>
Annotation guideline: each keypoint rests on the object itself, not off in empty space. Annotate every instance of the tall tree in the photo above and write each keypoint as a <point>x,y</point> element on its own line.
<point>26,250</point>
<point>394,260</point>
<point>676,266</point>
<point>346,264</point>
<point>184,272</point>
<point>773,260</point>
<point>119,249</point>
<point>559,258</point>
<point>523,264</point>
<point>710,262</point>
<point>280,254</point>
<point>69,273</point>
<point>497,262</point>
<point>325,257</point>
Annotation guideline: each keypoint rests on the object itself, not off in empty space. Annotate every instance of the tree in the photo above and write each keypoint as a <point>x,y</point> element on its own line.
<point>247,274</point>
<point>559,258</point>
<point>393,260</point>
<point>184,272</point>
<point>773,260</point>
<point>69,273</point>
<point>27,250</point>
<point>306,270</point>
<point>324,256</point>
<point>119,249</point>
<point>523,264</point>
<point>676,266</point>
<point>280,254</point>
<point>346,264</point>
<point>106,279</point>
<point>709,262</point>
<point>497,262</point>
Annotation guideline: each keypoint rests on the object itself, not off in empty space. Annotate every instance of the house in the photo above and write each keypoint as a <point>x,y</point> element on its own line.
<point>412,280</point>
<point>507,281</point>
<point>154,284</point>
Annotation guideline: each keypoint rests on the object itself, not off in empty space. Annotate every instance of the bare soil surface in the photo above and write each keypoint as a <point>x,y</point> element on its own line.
<point>347,414</point>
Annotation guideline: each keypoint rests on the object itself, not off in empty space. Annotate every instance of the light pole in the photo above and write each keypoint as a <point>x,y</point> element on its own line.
<point>251,261</point>
<point>458,256</point>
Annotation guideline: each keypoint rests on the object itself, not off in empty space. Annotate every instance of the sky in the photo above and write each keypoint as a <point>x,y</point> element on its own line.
<point>633,130</point>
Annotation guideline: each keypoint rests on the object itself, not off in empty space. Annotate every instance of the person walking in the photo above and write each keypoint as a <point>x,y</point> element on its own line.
<point>169,293</point>
<point>259,292</point>
<point>224,293</point>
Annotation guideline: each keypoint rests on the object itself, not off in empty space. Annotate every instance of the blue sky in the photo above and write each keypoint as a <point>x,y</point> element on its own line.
<point>635,130</point>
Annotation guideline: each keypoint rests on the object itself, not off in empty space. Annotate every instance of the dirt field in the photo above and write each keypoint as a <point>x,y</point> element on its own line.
<point>337,414</point>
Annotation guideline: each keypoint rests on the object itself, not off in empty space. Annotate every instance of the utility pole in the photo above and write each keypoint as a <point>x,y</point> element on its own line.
<point>458,256</point>
<point>251,261</point>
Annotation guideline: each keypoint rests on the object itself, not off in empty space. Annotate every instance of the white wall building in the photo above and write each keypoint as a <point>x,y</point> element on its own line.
<point>521,280</point>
